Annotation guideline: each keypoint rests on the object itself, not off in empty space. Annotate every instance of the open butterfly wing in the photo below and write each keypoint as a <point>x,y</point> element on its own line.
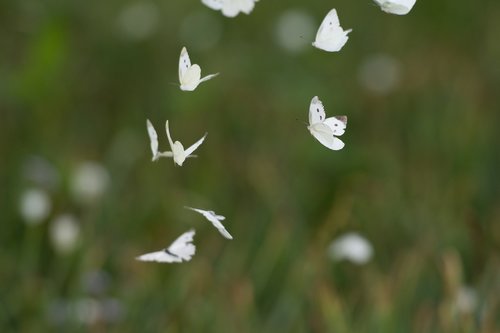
<point>182,247</point>
<point>330,22</point>
<point>191,149</point>
<point>336,124</point>
<point>159,256</point>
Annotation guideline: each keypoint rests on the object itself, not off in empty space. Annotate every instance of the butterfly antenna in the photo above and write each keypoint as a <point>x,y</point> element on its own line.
<point>302,121</point>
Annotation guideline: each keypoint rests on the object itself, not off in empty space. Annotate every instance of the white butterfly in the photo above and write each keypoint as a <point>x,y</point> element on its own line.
<point>325,130</point>
<point>331,37</point>
<point>153,137</point>
<point>190,75</point>
<point>398,7</point>
<point>181,250</point>
<point>231,8</point>
<point>214,219</point>
<point>178,152</point>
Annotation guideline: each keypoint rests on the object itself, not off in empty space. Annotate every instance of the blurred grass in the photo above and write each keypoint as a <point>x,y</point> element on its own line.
<point>418,176</point>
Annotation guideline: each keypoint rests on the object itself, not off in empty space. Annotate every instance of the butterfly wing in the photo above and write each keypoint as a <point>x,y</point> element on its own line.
<point>191,149</point>
<point>330,36</point>
<point>170,142</point>
<point>217,224</point>
<point>398,7</point>
<point>208,77</point>
<point>153,138</point>
<point>232,8</point>
<point>184,64</point>
<point>159,256</point>
<point>213,4</point>
<point>324,134</point>
<point>316,111</point>
<point>182,247</point>
<point>191,78</point>
<point>336,124</point>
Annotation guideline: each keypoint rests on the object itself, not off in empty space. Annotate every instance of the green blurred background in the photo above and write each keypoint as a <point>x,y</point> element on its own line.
<point>418,177</point>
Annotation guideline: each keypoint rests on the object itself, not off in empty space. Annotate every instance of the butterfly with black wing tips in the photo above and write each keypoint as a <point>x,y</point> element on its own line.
<point>180,250</point>
<point>398,7</point>
<point>231,8</point>
<point>330,36</point>
<point>214,219</point>
<point>153,138</point>
<point>326,130</point>
<point>190,75</point>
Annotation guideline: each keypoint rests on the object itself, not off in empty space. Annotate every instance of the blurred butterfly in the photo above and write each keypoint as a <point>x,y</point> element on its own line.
<point>331,37</point>
<point>326,130</point>
<point>214,219</point>
<point>231,8</point>
<point>190,75</point>
<point>181,250</point>
<point>178,152</point>
<point>153,138</point>
<point>398,7</point>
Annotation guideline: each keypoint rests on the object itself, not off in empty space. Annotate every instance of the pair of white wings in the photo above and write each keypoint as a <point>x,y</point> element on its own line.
<point>326,130</point>
<point>231,8</point>
<point>330,36</point>
<point>190,75</point>
<point>398,7</point>
<point>180,250</point>
<point>153,138</point>
<point>214,219</point>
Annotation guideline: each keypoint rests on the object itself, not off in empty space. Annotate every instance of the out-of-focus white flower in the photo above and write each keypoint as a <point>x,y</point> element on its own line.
<point>34,206</point>
<point>191,26</point>
<point>138,20</point>
<point>87,311</point>
<point>89,182</point>
<point>466,300</point>
<point>352,247</point>
<point>294,30</point>
<point>41,172</point>
<point>112,310</point>
<point>380,74</point>
<point>64,232</point>
<point>96,282</point>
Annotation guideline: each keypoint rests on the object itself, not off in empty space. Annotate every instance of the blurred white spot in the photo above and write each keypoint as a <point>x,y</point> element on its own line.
<point>41,172</point>
<point>200,30</point>
<point>138,20</point>
<point>352,247</point>
<point>466,301</point>
<point>64,232</point>
<point>112,310</point>
<point>89,182</point>
<point>34,206</point>
<point>294,30</point>
<point>87,311</point>
<point>96,282</point>
<point>379,74</point>
<point>57,312</point>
